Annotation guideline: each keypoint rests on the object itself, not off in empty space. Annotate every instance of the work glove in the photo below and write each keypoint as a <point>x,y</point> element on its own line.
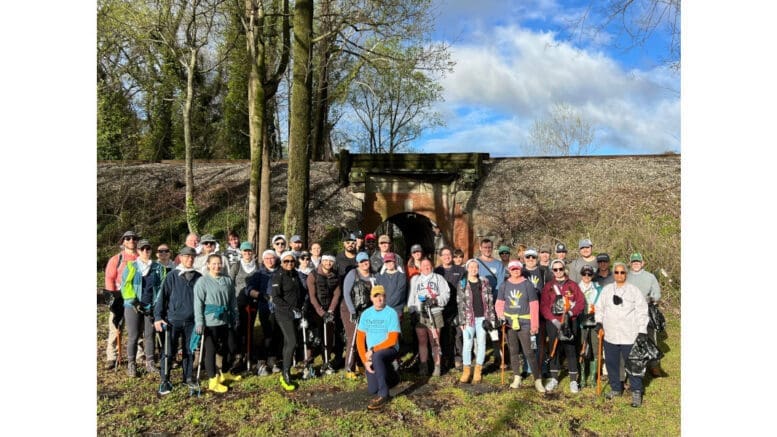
<point>329,317</point>
<point>432,302</point>
<point>642,337</point>
<point>297,313</point>
<point>254,294</point>
<point>487,325</point>
<point>598,327</point>
<point>198,329</point>
<point>569,313</point>
<point>303,323</point>
<point>354,318</point>
<point>556,323</point>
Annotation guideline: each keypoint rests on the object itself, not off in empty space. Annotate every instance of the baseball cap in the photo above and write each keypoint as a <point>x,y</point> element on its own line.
<point>585,243</point>
<point>296,239</point>
<point>143,243</point>
<point>246,246</point>
<point>636,256</point>
<point>544,249</point>
<point>208,238</point>
<point>515,264</point>
<point>416,248</point>
<point>186,250</point>
<point>502,249</point>
<point>384,239</point>
<point>362,256</point>
<point>129,234</point>
<point>349,237</point>
<point>602,257</point>
<point>389,257</point>
<point>376,290</point>
<point>369,237</point>
<point>276,237</point>
<point>561,248</point>
<point>531,252</point>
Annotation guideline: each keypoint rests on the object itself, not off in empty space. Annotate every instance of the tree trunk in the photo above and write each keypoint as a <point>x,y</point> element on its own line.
<point>191,208</point>
<point>256,108</point>
<point>264,210</point>
<point>296,218</point>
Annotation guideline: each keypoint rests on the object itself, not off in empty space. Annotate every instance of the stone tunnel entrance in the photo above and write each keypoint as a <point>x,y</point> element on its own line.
<point>405,194</point>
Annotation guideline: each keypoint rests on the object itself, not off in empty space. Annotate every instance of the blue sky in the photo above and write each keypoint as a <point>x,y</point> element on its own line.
<point>515,59</point>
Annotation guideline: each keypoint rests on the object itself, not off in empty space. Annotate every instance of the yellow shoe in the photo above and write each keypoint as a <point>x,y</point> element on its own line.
<point>215,386</point>
<point>229,377</point>
<point>351,375</point>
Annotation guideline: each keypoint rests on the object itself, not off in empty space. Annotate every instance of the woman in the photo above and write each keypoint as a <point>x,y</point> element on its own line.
<point>287,296</point>
<point>476,315</point>
<point>588,339</point>
<point>315,254</point>
<point>429,293</point>
<point>215,317</point>
<point>241,271</point>
<point>356,294</point>
<point>414,263</point>
<point>623,314</point>
<point>518,305</point>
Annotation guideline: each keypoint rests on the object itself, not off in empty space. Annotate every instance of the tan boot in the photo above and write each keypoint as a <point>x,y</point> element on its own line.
<point>477,377</point>
<point>465,374</point>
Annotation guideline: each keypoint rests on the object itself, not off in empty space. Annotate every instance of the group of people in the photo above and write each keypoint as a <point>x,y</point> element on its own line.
<point>348,308</point>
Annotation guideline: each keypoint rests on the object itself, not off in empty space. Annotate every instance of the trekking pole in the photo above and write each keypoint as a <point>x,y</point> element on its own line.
<point>504,335</point>
<point>326,347</point>
<point>118,346</point>
<point>199,365</point>
<point>248,339</point>
<point>306,372</point>
<point>353,341</point>
<point>165,386</point>
<point>599,364</point>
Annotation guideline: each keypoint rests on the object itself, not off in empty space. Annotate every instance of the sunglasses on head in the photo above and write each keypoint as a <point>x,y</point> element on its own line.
<point>304,257</point>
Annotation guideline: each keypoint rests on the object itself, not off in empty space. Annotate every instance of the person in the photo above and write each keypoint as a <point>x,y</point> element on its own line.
<point>623,314</point>
<point>429,293</point>
<point>377,340</point>
<point>113,271</point>
<point>356,294</point>
<point>324,294</point>
<point>240,273</point>
<point>438,239</point>
<point>175,309</point>
<point>296,246</point>
<point>288,295</point>
<point>192,240</point>
<point>476,316</point>
<point>536,274</point>
<point>345,260</point>
<point>258,292</point>
<point>304,266</point>
<point>647,283</point>
<point>359,240</point>
<point>369,244</point>
<point>544,259</point>
<point>233,252</point>
<point>520,249</point>
<point>209,247</point>
<point>414,263</point>
<point>494,271</point>
<point>315,254</point>
<point>394,283</point>
<point>603,273</point>
<point>215,318</point>
<point>517,306</point>
<point>450,335</point>
<point>385,247</point>
<point>458,257</point>
<point>278,245</point>
<point>561,301</point>
<point>586,258</point>
<point>592,291</point>
<point>504,257</point>
<point>163,257</point>
<point>141,281</point>
<point>561,252</point>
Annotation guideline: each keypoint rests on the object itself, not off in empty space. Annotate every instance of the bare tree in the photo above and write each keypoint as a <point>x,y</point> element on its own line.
<point>564,131</point>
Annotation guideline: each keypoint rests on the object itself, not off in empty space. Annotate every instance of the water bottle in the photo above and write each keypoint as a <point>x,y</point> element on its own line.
<point>534,342</point>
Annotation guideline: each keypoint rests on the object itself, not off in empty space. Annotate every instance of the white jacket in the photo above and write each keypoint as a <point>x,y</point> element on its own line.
<point>622,322</point>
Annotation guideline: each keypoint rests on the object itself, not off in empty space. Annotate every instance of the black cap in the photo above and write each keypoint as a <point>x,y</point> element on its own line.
<point>561,248</point>
<point>602,257</point>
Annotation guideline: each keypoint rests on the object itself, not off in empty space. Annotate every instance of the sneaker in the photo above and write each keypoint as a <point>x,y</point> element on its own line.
<point>327,369</point>
<point>110,364</point>
<point>551,385</point>
<point>262,370</point>
<point>538,385</point>
<point>378,403</point>
<point>516,381</point>
<point>351,375</point>
<point>636,399</point>
<point>191,384</point>
<point>436,371</point>
<point>132,371</point>
<point>165,388</point>
<point>573,387</point>
<point>151,367</point>
<point>614,394</point>
<point>275,368</point>
<point>457,364</point>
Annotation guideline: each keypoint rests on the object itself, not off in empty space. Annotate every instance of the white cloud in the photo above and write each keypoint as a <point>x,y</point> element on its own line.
<point>512,75</point>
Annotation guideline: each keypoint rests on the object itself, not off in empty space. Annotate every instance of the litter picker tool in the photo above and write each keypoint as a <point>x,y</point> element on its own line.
<point>503,366</point>
<point>199,367</point>
<point>165,386</point>
<point>599,364</point>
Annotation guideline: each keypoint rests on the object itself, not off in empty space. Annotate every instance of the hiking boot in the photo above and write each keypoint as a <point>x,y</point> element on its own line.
<point>573,387</point>
<point>457,364</point>
<point>215,386</point>
<point>551,385</point>
<point>636,399</point>
<point>286,381</point>
<point>477,377</point>
<point>465,375</point>
<point>110,364</point>
<point>351,375</point>
<point>538,385</point>
<point>378,403</point>
<point>437,371</point>
<point>228,377</point>
<point>132,371</point>
<point>614,394</point>
<point>151,367</point>
<point>516,381</point>
<point>165,388</point>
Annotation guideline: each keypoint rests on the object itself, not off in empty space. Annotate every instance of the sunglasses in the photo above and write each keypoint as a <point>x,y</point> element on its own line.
<point>364,261</point>
<point>279,243</point>
<point>558,270</point>
<point>504,253</point>
<point>304,257</point>
<point>619,272</point>
<point>529,256</point>
<point>145,249</point>
<point>208,243</point>
<point>130,238</point>
<point>587,274</point>
<point>163,251</point>
<point>288,261</point>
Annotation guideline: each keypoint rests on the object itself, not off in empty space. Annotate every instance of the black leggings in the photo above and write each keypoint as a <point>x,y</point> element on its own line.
<point>286,325</point>
<point>221,340</point>
<point>570,350</point>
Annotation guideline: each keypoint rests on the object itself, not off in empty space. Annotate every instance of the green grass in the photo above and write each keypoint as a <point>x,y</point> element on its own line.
<point>258,406</point>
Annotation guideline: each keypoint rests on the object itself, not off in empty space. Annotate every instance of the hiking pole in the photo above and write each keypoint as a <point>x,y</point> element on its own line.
<point>353,342</point>
<point>199,366</point>
<point>599,364</point>
<point>326,347</point>
<point>306,373</point>
<point>504,335</point>
<point>165,386</point>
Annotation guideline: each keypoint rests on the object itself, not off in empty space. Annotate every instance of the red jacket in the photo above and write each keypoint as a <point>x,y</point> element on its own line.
<point>567,288</point>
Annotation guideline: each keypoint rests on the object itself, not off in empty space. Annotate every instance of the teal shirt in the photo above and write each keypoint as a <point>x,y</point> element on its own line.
<point>214,292</point>
<point>377,325</point>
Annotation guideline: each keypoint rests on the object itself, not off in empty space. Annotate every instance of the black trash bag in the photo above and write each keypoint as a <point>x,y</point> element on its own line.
<point>657,321</point>
<point>116,304</point>
<point>643,352</point>
<point>566,333</point>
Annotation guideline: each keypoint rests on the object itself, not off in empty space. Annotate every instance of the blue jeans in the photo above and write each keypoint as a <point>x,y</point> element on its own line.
<point>470,333</point>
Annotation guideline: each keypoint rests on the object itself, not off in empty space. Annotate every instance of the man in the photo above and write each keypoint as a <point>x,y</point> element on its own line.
<point>278,245</point>
<point>561,254</point>
<point>209,248</point>
<point>394,283</point>
<point>345,261</point>
<point>493,270</point>
<point>586,258</point>
<point>458,257</point>
<point>296,245</point>
<point>258,292</point>
<point>369,244</point>
<point>377,339</point>
<point>603,273</point>
<point>623,314</point>
<point>193,241</point>
<point>561,301</point>
<point>324,291</point>
<point>450,336</point>
<point>536,274</point>
<point>651,291</point>
<point>385,247</point>
<point>163,257</point>
<point>504,257</point>
<point>113,272</point>
<point>175,311</point>
<point>359,240</point>
<point>544,259</point>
